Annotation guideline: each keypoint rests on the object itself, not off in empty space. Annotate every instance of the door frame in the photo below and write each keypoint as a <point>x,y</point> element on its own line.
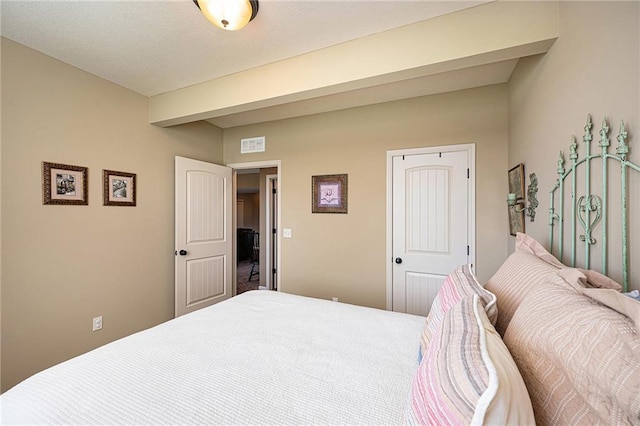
<point>269,234</point>
<point>470,148</point>
<point>258,165</point>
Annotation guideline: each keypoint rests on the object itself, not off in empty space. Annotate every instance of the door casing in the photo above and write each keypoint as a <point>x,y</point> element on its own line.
<point>269,263</point>
<point>470,148</point>
<point>261,165</point>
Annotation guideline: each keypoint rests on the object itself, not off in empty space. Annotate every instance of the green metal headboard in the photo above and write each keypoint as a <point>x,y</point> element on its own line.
<point>590,210</point>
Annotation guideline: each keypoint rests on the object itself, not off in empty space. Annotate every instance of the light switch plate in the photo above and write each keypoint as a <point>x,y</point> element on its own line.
<point>286,233</point>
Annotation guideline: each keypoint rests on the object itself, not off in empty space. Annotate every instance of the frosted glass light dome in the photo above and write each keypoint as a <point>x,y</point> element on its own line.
<point>228,14</point>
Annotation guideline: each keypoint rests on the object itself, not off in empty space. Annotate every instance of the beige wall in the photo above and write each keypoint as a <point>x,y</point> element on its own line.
<point>64,265</point>
<point>248,182</point>
<point>594,67</point>
<point>248,188</point>
<point>251,210</point>
<point>344,255</point>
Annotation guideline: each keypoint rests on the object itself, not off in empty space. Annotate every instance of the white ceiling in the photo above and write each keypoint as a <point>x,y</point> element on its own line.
<point>152,47</point>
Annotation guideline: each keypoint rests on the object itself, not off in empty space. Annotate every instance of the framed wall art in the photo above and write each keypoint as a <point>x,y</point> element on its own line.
<point>64,184</point>
<point>329,194</point>
<point>516,187</point>
<point>118,188</point>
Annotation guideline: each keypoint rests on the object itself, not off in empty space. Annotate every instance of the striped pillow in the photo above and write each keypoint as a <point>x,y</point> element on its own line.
<point>459,284</point>
<point>467,375</point>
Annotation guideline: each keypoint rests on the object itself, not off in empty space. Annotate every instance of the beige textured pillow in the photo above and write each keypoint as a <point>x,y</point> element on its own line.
<point>528,244</point>
<point>521,272</point>
<point>580,360</point>
<point>616,301</point>
<point>596,280</point>
<point>528,267</point>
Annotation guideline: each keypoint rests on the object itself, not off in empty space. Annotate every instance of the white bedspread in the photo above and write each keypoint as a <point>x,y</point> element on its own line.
<point>259,358</point>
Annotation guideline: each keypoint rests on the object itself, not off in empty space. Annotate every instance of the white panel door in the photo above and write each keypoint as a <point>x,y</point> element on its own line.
<point>203,234</point>
<point>430,226</point>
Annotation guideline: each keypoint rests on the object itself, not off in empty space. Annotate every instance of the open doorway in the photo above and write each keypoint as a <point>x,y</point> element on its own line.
<point>248,230</point>
<point>257,219</point>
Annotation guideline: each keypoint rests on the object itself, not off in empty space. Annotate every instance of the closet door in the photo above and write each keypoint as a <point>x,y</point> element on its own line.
<point>431,214</point>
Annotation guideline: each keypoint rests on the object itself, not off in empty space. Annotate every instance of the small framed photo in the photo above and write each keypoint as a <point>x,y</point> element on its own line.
<point>516,186</point>
<point>329,194</point>
<point>118,188</point>
<point>64,184</point>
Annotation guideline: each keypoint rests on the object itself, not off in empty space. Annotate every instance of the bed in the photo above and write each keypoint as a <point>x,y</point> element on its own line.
<point>541,342</point>
<point>261,357</point>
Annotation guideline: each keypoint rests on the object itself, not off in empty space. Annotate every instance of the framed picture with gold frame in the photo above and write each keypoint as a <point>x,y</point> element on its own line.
<point>63,184</point>
<point>329,194</point>
<point>118,188</point>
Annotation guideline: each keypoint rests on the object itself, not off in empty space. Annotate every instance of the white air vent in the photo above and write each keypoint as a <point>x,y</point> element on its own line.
<point>252,145</point>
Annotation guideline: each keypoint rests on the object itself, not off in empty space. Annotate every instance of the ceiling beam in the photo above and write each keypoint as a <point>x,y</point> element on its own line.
<point>481,35</point>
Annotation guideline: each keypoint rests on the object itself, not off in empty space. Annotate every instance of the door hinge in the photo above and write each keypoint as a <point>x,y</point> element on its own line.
<point>273,191</point>
<point>273,231</point>
<point>468,173</point>
<point>273,271</point>
<point>467,250</point>
<point>440,155</point>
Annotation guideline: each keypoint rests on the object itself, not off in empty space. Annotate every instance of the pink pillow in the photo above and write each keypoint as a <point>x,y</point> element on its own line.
<point>530,245</point>
<point>595,279</point>
<point>580,360</point>
<point>515,278</point>
<point>617,301</point>
<point>467,376</point>
<point>458,284</point>
<point>528,267</point>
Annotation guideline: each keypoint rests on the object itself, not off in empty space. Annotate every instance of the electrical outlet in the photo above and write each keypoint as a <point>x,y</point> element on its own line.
<point>286,233</point>
<point>97,323</point>
<point>335,299</point>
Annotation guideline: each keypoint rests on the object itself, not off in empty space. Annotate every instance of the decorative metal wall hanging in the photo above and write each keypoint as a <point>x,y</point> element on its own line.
<point>532,196</point>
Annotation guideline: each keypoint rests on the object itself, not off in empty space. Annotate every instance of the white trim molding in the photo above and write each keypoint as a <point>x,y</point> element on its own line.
<point>264,165</point>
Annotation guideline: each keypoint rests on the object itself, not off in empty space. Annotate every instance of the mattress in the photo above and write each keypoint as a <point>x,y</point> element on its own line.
<point>259,358</point>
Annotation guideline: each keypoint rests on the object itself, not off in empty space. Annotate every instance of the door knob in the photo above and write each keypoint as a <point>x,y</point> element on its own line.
<point>398,260</point>
<point>183,252</point>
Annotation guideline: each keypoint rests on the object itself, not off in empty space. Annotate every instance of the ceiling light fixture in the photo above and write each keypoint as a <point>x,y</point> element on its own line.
<point>228,14</point>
